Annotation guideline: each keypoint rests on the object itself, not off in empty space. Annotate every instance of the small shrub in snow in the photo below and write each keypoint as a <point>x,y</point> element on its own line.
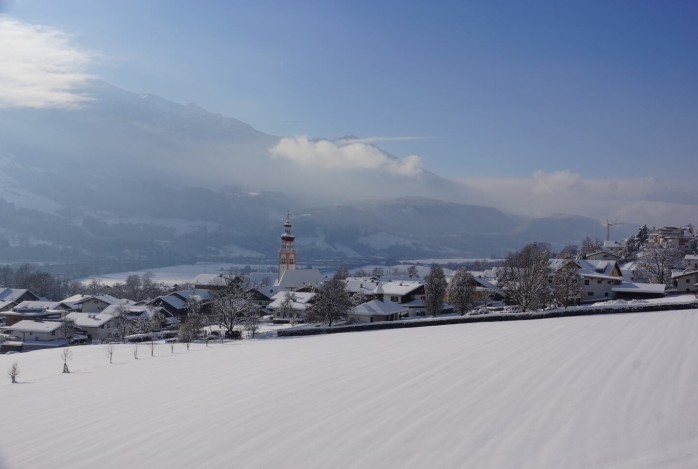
<point>13,373</point>
<point>66,356</point>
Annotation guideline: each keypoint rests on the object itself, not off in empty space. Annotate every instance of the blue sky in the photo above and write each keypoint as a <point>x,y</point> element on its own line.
<point>480,90</point>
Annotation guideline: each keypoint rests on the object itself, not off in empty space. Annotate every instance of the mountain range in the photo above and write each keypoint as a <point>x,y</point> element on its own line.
<point>137,179</point>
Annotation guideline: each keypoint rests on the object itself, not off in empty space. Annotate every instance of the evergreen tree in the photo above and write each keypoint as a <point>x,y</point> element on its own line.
<point>461,291</point>
<point>434,290</point>
<point>330,304</point>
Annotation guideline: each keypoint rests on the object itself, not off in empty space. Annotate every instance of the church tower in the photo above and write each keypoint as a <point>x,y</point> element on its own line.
<point>287,253</point>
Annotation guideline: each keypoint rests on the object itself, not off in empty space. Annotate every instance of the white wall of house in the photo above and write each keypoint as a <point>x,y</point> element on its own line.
<point>686,283</point>
<point>597,289</point>
<point>94,305</point>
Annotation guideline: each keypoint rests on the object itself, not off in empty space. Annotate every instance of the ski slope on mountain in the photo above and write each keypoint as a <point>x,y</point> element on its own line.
<point>614,391</point>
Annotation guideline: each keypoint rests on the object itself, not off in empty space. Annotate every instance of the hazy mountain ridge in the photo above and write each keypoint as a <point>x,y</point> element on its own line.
<point>138,178</point>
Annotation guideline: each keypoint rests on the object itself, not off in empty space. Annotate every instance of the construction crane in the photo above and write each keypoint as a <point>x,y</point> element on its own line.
<point>610,224</point>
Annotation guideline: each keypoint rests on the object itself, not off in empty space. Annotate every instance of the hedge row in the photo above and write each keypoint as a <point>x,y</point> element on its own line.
<point>593,311</point>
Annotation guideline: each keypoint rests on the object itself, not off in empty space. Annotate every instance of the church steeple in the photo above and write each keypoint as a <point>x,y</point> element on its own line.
<point>287,253</point>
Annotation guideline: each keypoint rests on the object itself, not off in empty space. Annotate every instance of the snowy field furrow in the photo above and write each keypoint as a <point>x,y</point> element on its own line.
<point>612,391</point>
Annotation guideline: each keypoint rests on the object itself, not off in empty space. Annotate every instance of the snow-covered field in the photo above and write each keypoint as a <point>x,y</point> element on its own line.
<point>601,391</point>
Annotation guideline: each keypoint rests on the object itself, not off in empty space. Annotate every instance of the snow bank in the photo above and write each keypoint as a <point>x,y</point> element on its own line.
<point>601,391</point>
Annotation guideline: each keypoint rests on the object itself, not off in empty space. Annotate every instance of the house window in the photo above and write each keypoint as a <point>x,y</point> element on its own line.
<point>586,282</point>
<point>605,294</point>
<point>591,293</point>
<point>394,299</point>
<point>609,282</point>
<point>53,333</point>
<point>599,282</point>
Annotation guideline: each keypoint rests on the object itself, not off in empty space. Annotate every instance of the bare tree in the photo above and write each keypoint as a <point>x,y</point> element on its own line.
<point>569,252</point>
<point>68,330</point>
<point>109,352</point>
<point>151,346</point>
<point>188,331</point>
<point>122,323</point>
<point>434,290</point>
<point>233,304</point>
<point>358,298</point>
<point>525,275</point>
<point>331,303</point>
<point>66,356</point>
<point>342,272</point>
<point>567,285</point>
<point>589,246</point>
<point>461,291</point>
<point>13,373</point>
<point>412,271</point>
<point>286,306</point>
<point>655,262</point>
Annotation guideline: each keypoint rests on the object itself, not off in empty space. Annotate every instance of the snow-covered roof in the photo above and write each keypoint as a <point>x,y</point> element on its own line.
<point>27,306</point>
<point>361,284</point>
<point>418,303</point>
<point>684,273</point>
<point>34,326</point>
<point>598,268</point>
<point>89,319</point>
<point>378,308</point>
<point>299,300</point>
<point>74,299</point>
<point>213,280</point>
<point>613,244</point>
<point>173,300</point>
<point>108,299</point>
<point>13,294</point>
<point>131,310</point>
<point>652,288</point>
<point>203,295</point>
<point>292,279</point>
<point>489,285</point>
<point>398,288</point>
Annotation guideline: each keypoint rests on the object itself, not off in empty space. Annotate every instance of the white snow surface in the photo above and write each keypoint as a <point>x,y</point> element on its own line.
<point>611,391</point>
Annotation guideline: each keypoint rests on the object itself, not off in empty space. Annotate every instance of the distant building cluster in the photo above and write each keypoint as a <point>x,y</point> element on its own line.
<point>652,264</point>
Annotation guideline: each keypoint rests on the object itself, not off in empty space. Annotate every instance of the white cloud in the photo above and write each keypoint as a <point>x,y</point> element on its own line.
<point>378,139</point>
<point>40,67</point>
<point>338,155</point>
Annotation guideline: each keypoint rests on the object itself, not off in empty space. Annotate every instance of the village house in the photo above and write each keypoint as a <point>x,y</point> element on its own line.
<point>34,310</point>
<point>11,297</point>
<point>410,294</point>
<point>38,334</point>
<point>672,236</point>
<point>686,281</point>
<point>290,305</point>
<point>96,326</point>
<point>94,303</point>
<point>377,310</point>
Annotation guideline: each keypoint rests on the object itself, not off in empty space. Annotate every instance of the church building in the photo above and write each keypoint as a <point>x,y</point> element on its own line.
<point>287,253</point>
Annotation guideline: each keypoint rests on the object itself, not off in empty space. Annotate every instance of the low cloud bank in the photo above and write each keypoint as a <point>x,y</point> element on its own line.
<point>40,67</point>
<point>327,154</point>
<point>631,200</point>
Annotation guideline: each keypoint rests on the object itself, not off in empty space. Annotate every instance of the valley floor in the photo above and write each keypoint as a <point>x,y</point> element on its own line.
<point>615,391</point>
